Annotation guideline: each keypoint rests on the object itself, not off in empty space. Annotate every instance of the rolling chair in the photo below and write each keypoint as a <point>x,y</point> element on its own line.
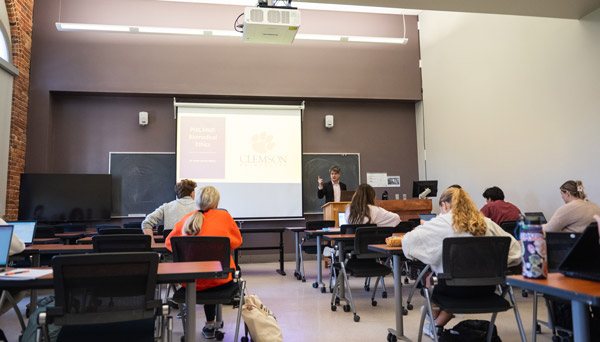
<point>311,249</point>
<point>105,297</point>
<point>473,261</point>
<point>120,231</point>
<point>348,229</point>
<point>510,228</point>
<point>210,248</point>
<point>361,263</point>
<point>44,232</point>
<point>122,243</point>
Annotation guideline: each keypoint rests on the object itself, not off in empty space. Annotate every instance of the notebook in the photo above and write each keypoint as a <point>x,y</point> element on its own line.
<point>342,218</point>
<point>25,230</point>
<point>582,260</point>
<point>538,214</point>
<point>427,217</point>
<point>6,232</point>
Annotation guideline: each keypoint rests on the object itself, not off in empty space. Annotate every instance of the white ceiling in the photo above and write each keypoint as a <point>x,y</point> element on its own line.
<point>568,9</point>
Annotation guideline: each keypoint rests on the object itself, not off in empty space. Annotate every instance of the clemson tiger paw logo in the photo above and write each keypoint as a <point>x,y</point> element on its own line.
<point>262,142</point>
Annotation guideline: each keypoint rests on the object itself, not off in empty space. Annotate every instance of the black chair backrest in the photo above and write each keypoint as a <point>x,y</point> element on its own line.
<point>160,229</point>
<point>351,228</point>
<point>104,288</point>
<point>122,243</point>
<point>166,232</point>
<point>405,227</point>
<point>137,224</point>
<point>202,248</point>
<point>315,225</point>
<point>102,226</point>
<point>121,231</point>
<point>558,245</point>
<point>44,232</point>
<point>475,260</point>
<point>509,227</point>
<point>70,227</point>
<point>365,236</point>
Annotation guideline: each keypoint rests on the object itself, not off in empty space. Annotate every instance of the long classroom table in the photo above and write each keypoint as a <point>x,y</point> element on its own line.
<point>171,272</point>
<point>279,247</point>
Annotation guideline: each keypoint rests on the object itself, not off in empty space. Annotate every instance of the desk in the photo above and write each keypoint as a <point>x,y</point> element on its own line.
<point>396,252</point>
<point>263,230</point>
<point>318,234</point>
<point>580,292</point>
<point>175,272</point>
<point>297,231</point>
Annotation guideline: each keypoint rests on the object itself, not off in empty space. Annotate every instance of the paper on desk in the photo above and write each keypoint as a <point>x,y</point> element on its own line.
<point>28,274</point>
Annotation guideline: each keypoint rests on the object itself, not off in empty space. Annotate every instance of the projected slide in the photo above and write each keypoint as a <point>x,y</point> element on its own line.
<point>251,155</point>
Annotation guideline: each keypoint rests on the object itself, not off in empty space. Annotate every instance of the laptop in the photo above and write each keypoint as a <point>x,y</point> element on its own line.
<point>6,232</point>
<point>538,214</point>
<point>582,260</point>
<point>346,196</point>
<point>558,245</point>
<point>25,230</point>
<point>342,218</point>
<point>427,217</point>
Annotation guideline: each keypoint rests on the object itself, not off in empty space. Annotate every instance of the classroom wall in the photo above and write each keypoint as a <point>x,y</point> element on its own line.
<point>510,101</point>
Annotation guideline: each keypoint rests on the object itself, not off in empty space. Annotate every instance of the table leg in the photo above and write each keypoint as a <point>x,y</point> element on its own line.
<point>33,297</point>
<point>535,310</point>
<point>399,331</point>
<point>281,270</point>
<point>190,302</point>
<point>297,250</point>
<point>319,265</point>
<point>581,321</point>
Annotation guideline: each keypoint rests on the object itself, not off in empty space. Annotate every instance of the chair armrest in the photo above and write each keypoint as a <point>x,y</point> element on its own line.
<point>153,304</point>
<point>53,311</point>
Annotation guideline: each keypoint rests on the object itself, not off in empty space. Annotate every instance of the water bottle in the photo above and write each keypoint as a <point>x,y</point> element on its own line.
<point>533,248</point>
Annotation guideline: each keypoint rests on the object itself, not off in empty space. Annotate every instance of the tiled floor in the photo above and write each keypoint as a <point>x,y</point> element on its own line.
<point>304,313</point>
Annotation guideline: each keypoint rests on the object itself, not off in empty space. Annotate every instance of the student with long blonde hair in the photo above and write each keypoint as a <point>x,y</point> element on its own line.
<point>458,217</point>
<point>208,221</point>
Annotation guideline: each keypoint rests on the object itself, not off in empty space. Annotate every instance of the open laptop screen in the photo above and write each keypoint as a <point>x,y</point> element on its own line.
<point>342,218</point>
<point>5,238</point>
<point>25,230</point>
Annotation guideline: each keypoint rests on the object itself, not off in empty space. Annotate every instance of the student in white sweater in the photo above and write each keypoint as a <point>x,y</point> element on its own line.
<point>458,217</point>
<point>363,210</point>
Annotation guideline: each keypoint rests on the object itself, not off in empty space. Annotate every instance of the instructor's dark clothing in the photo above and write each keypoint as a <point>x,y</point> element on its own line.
<point>327,191</point>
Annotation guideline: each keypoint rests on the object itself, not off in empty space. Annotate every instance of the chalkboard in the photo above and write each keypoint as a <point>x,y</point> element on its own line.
<point>141,182</point>
<point>318,164</point>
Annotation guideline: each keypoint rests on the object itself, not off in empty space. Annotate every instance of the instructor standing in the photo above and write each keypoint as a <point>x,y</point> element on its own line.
<point>331,190</point>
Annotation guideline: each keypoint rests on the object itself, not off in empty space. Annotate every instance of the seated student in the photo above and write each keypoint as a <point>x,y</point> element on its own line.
<point>16,247</point>
<point>576,214</point>
<point>172,212</point>
<point>363,210</point>
<point>208,221</point>
<point>496,208</point>
<point>458,217</point>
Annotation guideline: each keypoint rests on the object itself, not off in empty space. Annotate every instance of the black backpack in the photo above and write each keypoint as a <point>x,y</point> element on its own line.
<point>471,330</point>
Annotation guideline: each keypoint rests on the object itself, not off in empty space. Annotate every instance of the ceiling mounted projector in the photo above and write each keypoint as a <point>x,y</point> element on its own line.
<point>271,25</point>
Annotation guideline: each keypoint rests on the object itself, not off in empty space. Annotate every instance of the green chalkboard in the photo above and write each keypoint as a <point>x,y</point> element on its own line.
<point>318,164</point>
<point>141,182</point>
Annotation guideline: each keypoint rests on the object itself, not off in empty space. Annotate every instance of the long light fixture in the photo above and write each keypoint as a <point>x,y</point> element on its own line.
<point>216,33</point>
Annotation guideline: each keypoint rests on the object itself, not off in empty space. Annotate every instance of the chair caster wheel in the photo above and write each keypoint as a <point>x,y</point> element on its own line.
<point>404,312</point>
<point>333,308</point>
<point>409,306</point>
<point>524,294</point>
<point>331,290</point>
<point>303,280</point>
<point>315,285</point>
<point>244,339</point>
<point>367,287</point>
<point>384,294</point>
<point>219,335</point>
<point>556,338</point>
<point>405,280</point>
<point>356,318</point>
<point>323,290</point>
<point>391,338</point>
<point>337,301</point>
<point>346,308</point>
<point>538,328</point>
<point>374,302</point>
<point>182,338</point>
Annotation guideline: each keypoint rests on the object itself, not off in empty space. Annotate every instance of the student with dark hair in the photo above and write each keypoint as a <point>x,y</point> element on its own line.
<point>207,220</point>
<point>362,209</point>
<point>576,214</point>
<point>496,208</point>
<point>332,190</point>
<point>170,213</point>
<point>458,217</point>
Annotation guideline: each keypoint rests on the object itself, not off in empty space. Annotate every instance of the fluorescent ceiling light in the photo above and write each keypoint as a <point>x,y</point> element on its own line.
<point>312,6</point>
<point>217,33</point>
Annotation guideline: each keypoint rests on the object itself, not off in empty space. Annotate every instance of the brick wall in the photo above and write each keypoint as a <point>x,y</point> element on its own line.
<point>20,16</point>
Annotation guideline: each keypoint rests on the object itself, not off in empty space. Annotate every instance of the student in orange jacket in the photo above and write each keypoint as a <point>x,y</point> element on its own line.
<point>208,221</point>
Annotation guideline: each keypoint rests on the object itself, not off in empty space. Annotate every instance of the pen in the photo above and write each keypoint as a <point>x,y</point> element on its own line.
<point>17,272</point>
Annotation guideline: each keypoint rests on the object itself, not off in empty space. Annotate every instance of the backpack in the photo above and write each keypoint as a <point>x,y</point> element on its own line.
<point>471,330</point>
<point>30,332</point>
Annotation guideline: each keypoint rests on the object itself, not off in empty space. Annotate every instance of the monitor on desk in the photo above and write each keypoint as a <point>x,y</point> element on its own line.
<point>346,196</point>
<point>419,188</point>
<point>25,230</point>
<point>6,232</point>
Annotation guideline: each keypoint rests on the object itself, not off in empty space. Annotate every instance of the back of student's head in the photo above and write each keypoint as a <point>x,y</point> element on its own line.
<point>494,193</point>
<point>575,188</point>
<point>359,208</point>
<point>184,188</point>
<point>207,198</point>
<point>465,215</point>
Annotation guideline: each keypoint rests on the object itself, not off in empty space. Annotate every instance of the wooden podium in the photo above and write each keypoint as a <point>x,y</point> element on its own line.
<point>407,209</point>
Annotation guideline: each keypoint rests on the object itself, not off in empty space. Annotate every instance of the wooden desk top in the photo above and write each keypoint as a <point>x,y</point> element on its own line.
<point>383,248</point>
<point>556,284</point>
<point>80,248</point>
<point>296,229</point>
<point>262,230</point>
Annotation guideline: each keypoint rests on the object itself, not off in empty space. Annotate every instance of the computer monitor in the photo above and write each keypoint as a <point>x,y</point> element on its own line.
<point>342,218</point>
<point>25,230</point>
<point>538,214</point>
<point>420,186</point>
<point>6,232</point>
